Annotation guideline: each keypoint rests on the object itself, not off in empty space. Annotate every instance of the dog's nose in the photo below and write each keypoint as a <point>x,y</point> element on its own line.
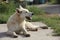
<point>32,14</point>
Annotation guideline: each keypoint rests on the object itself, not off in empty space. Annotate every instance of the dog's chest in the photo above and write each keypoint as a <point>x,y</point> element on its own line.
<point>19,26</point>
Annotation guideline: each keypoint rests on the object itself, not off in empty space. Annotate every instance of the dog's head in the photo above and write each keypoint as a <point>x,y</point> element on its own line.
<point>24,13</point>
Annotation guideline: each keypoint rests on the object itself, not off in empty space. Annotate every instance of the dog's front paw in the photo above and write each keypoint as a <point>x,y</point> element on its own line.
<point>14,36</point>
<point>27,35</point>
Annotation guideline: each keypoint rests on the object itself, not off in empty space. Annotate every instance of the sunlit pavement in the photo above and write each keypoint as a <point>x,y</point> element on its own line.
<point>41,34</point>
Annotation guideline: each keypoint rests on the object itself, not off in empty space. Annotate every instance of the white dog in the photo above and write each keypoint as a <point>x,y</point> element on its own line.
<point>17,23</point>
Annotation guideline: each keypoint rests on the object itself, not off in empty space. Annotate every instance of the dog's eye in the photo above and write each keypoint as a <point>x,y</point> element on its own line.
<point>20,12</point>
<point>26,12</point>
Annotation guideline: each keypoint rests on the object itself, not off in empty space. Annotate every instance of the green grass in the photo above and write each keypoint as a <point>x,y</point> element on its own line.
<point>53,22</point>
<point>53,1</point>
<point>5,11</point>
<point>35,10</point>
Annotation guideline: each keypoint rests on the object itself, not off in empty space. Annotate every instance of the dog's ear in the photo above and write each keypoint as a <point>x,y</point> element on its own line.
<point>20,7</point>
<point>18,11</point>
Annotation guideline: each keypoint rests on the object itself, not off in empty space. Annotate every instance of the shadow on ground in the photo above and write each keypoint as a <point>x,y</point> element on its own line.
<point>3,34</point>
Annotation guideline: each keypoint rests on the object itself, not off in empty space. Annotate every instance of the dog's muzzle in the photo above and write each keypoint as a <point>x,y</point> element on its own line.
<point>29,18</point>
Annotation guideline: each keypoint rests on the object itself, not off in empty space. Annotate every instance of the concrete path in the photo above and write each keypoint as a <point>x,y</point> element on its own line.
<point>50,8</point>
<point>41,34</point>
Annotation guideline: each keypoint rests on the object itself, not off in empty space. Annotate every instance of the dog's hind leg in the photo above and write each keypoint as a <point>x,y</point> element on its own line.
<point>31,27</point>
<point>25,32</point>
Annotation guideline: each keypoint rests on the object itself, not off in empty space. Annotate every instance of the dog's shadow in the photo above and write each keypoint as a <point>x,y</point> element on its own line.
<point>3,34</point>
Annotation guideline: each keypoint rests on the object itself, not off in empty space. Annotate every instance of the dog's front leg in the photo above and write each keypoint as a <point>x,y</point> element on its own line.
<point>12,34</point>
<point>25,31</point>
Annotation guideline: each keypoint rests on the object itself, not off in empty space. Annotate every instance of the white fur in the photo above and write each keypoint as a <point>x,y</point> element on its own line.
<point>17,22</point>
<point>30,26</point>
